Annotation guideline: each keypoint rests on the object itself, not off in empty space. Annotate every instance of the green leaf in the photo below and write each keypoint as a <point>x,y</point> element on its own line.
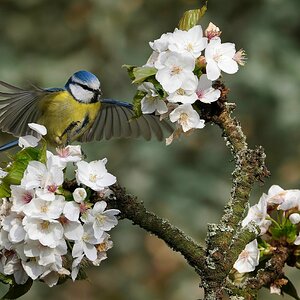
<point>4,190</point>
<point>137,103</point>
<point>43,152</point>
<point>191,17</point>
<point>287,231</point>
<point>290,289</point>
<point>158,87</point>
<point>18,290</point>
<point>198,71</point>
<point>3,289</point>
<point>6,279</point>
<point>142,73</point>
<point>130,70</point>
<point>18,166</point>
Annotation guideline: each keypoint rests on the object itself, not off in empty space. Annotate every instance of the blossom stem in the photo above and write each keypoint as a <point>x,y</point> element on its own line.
<point>274,222</point>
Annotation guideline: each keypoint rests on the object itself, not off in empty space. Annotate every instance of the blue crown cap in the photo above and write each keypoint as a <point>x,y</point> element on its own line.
<point>84,77</point>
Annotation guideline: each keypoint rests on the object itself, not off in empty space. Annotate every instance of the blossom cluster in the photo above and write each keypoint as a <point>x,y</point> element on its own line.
<point>47,232</point>
<point>277,214</point>
<point>186,64</point>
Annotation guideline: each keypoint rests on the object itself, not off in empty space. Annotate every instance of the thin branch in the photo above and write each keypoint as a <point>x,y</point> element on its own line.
<point>273,269</point>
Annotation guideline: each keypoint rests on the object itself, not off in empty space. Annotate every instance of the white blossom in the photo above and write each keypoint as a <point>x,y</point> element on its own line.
<point>212,31</point>
<point>276,195</point>
<point>33,268</point>
<point>50,277</point>
<point>20,197</point>
<point>294,218</point>
<point>76,266</point>
<point>46,179</point>
<point>100,257</point>
<point>161,44</point>
<point>151,102</point>
<point>102,220</point>
<point>39,227</point>
<point>94,174</point>
<point>205,92</point>
<point>275,289</point>
<point>45,210</point>
<point>152,59</point>
<point>297,241</point>
<point>40,129</point>
<point>219,57</point>
<point>64,155</point>
<point>73,230</point>
<point>45,255</point>
<point>72,210</point>
<point>186,93</point>
<point>187,117</point>
<point>258,214</point>
<point>248,259</point>
<point>2,174</point>
<point>5,243</point>
<point>291,200</point>
<point>47,232</point>
<point>105,245</point>
<point>5,207</point>
<point>30,140</point>
<point>33,175</point>
<point>11,265</point>
<point>86,244</point>
<point>79,195</point>
<point>188,42</point>
<point>13,225</point>
<point>173,69</point>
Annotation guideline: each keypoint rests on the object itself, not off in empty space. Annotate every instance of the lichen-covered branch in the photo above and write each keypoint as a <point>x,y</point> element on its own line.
<point>177,240</point>
<point>224,241</point>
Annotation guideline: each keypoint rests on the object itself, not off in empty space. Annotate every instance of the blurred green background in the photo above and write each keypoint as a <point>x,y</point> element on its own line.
<point>44,42</point>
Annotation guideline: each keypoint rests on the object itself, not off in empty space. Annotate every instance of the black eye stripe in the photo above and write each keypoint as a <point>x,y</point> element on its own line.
<point>85,87</point>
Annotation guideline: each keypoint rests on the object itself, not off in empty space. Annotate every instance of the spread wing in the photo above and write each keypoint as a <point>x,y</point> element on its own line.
<point>18,107</point>
<point>116,119</point>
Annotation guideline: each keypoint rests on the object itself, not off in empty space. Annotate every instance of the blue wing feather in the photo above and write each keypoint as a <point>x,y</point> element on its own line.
<point>54,89</point>
<point>9,145</point>
<point>117,102</point>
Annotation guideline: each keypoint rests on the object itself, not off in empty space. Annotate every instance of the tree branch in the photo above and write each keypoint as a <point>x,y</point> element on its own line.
<point>225,240</point>
<point>176,239</point>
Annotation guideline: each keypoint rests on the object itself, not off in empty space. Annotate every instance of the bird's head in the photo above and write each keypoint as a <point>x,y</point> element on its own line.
<point>84,87</point>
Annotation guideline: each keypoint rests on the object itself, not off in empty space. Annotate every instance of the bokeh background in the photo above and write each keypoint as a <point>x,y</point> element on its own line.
<point>44,42</point>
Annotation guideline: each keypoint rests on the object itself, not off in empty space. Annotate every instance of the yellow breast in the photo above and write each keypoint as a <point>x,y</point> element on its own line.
<point>65,117</point>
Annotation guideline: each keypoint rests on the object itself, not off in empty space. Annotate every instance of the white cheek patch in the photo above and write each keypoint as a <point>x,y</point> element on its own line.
<point>80,94</point>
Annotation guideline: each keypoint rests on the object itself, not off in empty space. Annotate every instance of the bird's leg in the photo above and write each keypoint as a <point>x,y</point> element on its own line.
<point>68,131</point>
<point>75,129</point>
<point>83,126</point>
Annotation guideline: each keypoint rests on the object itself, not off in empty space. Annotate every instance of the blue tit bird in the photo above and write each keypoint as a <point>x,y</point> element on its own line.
<point>75,112</point>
